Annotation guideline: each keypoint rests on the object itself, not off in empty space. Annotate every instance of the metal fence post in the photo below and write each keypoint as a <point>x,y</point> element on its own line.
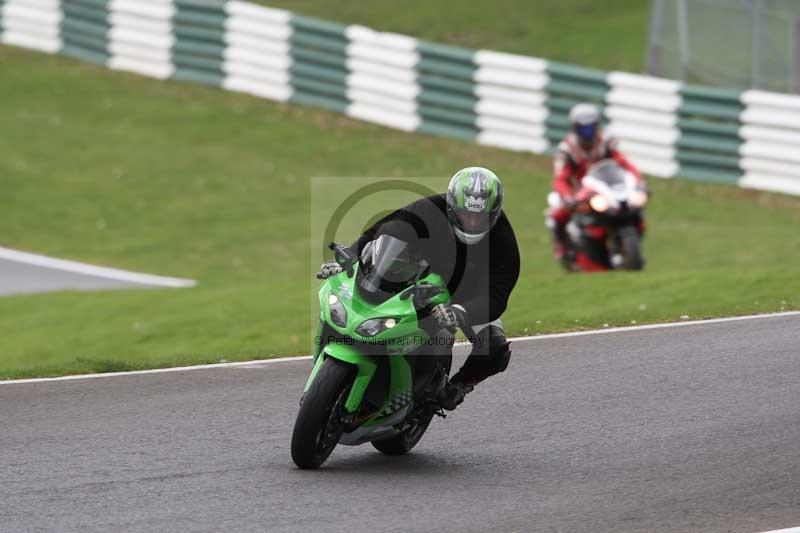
<point>655,52</point>
<point>795,58</point>
<point>683,38</point>
<point>758,37</point>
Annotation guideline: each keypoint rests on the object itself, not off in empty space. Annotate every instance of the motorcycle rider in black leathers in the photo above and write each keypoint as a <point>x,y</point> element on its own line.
<point>465,237</point>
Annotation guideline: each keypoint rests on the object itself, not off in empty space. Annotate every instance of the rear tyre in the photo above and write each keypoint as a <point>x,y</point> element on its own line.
<point>403,442</point>
<point>568,260</point>
<point>631,243</point>
<point>320,422</point>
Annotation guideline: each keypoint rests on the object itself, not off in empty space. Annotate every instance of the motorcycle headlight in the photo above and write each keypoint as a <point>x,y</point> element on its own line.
<point>338,312</point>
<point>637,199</point>
<point>370,328</point>
<point>599,203</point>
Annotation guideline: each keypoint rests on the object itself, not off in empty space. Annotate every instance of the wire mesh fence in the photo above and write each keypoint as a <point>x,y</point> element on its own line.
<point>732,43</point>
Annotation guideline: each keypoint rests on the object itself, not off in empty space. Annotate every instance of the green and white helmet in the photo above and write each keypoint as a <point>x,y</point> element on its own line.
<point>474,202</point>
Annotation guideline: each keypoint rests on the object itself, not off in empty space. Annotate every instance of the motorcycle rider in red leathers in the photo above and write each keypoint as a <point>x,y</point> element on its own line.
<point>583,146</point>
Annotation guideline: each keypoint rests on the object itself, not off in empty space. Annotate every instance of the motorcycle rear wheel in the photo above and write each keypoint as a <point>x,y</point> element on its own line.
<point>320,422</point>
<point>403,442</point>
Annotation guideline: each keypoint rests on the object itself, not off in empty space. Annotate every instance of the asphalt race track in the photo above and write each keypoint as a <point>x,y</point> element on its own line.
<point>687,429</point>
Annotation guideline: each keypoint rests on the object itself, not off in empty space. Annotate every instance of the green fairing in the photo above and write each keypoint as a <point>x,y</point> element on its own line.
<point>399,340</point>
<point>401,381</point>
<point>366,366</point>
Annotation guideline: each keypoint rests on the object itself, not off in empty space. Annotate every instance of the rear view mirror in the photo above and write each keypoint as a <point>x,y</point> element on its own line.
<point>345,257</point>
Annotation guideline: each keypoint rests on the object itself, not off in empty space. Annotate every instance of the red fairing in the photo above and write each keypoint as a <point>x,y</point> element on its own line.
<point>571,163</point>
<point>585,264</point>
<point>561,215</point>
<point>595,232</point>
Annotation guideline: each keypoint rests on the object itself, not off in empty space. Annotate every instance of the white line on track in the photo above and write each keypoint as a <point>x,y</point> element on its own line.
<point>656,326</point>
<point>93,270</point>
<point>259,362</point>
<point>789,530</point>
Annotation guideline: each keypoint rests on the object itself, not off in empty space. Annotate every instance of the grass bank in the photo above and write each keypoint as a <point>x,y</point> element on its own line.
<point>606,34</point>
<point>182,180</point>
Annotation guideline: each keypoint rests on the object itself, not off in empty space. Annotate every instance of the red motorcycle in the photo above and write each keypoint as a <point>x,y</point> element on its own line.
<point>607,226</point>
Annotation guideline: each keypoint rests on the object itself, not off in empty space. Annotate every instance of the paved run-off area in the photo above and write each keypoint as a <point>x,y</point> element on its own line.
<point>23,272</point>
<point>691,428</point>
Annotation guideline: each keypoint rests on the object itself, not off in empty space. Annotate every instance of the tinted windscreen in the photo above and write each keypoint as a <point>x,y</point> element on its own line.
<point>386,267</point>
<point>609,172</point>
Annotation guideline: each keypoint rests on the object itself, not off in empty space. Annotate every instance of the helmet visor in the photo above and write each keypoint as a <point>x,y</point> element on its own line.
<point>474,222</point>
<point>586,132</point>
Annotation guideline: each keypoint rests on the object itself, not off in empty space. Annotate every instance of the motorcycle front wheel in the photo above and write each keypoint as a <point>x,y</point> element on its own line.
<point>320,422</point>
<point>631,243</point>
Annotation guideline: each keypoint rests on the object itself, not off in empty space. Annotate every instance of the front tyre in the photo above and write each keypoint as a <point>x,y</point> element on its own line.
<point>631,244</point>
<point>320,422</point>
<point>402,443</point>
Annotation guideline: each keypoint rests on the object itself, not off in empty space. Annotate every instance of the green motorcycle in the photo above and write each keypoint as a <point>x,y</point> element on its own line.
<point>380,359</point>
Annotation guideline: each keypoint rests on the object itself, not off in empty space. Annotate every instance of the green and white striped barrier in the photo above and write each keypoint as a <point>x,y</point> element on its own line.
<point>491,98</point>
<point>770,155</point>
<point>32,24</point>
<point>140,37</point>
<point>643,115</point>
<point>511,106</point>
<point>85,31</point>
<point>709,143</point>
<point>381,84</point>
<point>257,55</point>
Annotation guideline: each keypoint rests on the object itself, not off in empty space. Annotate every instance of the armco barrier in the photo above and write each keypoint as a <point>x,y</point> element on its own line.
<point>708,148</point>
<point>258,55</point>
<point>141,37</point>
<point>199,46</point>
<point>382,84</point>
<point>446,100</point>
<point>643,115</point>
<point>492,98</point>
<point>771,132</point>
<point>511,105</point>
<point>84,30</point>
<point>319,63</point>
<point>32,24</point>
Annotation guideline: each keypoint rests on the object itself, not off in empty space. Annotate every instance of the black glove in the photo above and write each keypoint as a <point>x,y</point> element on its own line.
<point>328,269</point>
<point>451,317</point>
